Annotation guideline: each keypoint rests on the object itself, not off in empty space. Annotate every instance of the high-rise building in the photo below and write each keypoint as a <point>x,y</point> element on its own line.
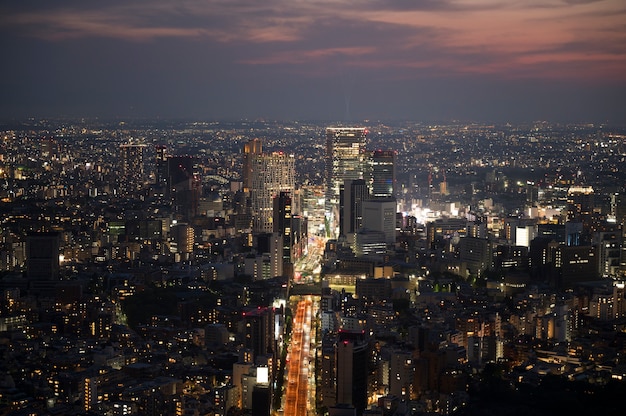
<point>382,173</point>
<point>345,160</point>
<point>161,166</point>
<point>352,195</point>
<point>352,372</point>
<point>580,205</point>
<point>283,225</point>
<point>258,331</point>
<point>271,174</point>
<point>250,149</point>
<point>181,240</point>
<point>42,255</point>
<point>380,215</point>
<point>401,374</point>
<point>132,168</point>
<point>608,245</point>
<point>183,186</point>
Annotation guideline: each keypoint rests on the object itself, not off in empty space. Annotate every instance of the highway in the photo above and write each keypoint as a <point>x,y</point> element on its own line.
<point>297,392</point>
<point>300,391</point>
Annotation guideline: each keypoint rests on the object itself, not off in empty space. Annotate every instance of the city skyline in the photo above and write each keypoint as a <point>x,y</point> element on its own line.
<point>136,278</point>
<point>482,60</point>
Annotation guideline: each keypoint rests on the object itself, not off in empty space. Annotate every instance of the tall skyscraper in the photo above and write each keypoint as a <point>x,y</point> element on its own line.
<point>132,168</point>
<point>352,371</point>
<point>345,160</point>
<point>271,174</point>
<point>382,173</point>
<point>352,195</point>
<point>580,205</point>
<point>250,149</point>
<point>283,225</point>
<point>161,166</point>
<point>183,186</point>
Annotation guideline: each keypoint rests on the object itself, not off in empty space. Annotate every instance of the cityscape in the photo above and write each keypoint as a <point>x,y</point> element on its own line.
<point>312,208</point>
<point>311,268</point>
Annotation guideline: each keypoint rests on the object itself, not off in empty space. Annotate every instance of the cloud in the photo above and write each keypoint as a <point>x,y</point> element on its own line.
<point>446,36</point>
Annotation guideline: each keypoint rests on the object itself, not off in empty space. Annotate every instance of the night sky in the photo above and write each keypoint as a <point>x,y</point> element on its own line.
<point>423,60</point>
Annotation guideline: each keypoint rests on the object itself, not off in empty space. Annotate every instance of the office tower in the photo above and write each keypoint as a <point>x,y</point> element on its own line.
<point>580,202</point>
<point>268,263</point>
<point>183,186</point>
<point>382,173</point>
<point>380,215</point>
<point>476,253</point>
<point>161,166</point>
<point>401,374</point>
<point>608,245</point>
<point>618,208</point>
<point>351,197</point>
<point>577,264</point>
<point>132,177</point>
<point>250,149</point>
<point>271,174</point>
<point>345,160</point>
<point>580,205</point>
<point>42,255</point>
<point>258,331</point>
<point>352,371</point>
<point>541,256</point>
<point>619,212</point>
<point>182,237</point>
<point>283,225</point>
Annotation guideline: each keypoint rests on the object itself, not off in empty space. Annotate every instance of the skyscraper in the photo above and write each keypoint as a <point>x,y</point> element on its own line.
<point>271,174</point>
<point>352,371</point>
<point>352,195</point>
<point>345,160</point>
<point>380,215</point>
<point>283,225</point>
<point>580,205</point>
<point>161,166</point>
<point>132,168</point>
<point>382,173</point>
<point>250,149</point>
<point>183,185</point>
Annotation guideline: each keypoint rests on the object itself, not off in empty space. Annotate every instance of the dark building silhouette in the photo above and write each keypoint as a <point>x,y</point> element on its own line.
<point>351,197</point>
<point>261,400</point>
<point>283,225</point>
<point>183,187</point>
<point>259,331</point>
<point>42,255</point>
<point>352,353</point>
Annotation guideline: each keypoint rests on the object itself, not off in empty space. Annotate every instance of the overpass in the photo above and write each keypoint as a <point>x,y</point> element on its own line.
<point>303,289</point>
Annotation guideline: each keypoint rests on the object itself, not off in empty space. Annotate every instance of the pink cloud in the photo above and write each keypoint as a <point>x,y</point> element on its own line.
<point>473,36</point>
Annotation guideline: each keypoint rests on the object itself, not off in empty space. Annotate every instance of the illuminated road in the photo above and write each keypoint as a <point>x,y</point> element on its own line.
<point>297,393</point>
<point>300,391</point>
